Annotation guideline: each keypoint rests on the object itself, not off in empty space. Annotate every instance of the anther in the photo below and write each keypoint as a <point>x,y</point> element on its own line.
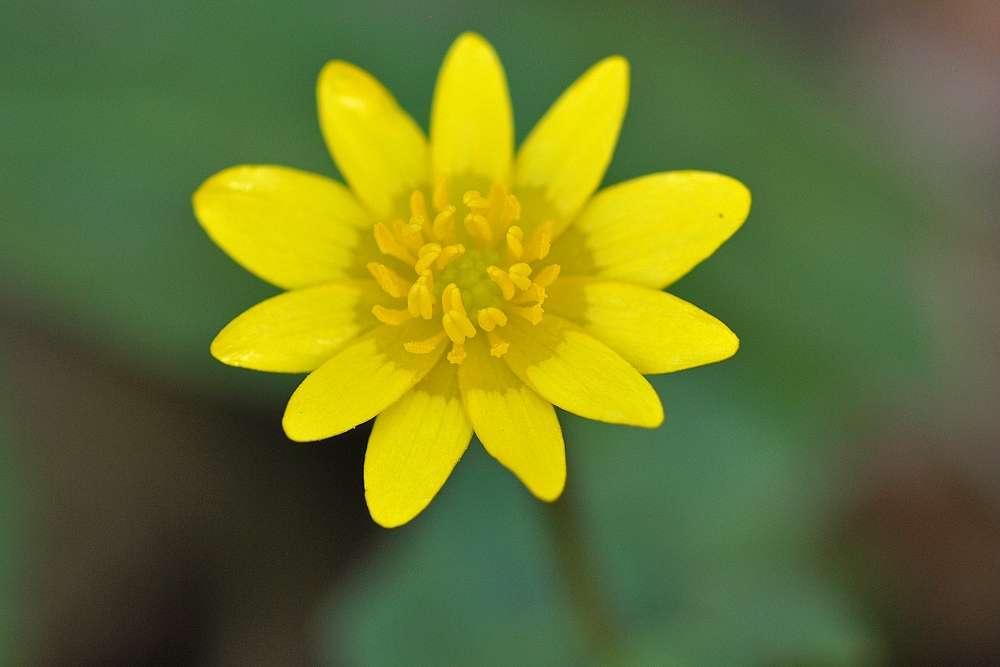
<point>420,300</point>
<point>418,207</point>
<point>411,234</point>
<point>451,299</point>
<point>457,354</point>
<point>390,245</point>
<point>426,256</point>
<point>425,346</point>
<point>498,346</point>
<point>533,313</point>
<point>490,318</point>
<point>449,253</point>
<point>479,228</point>
<point>476,202</point>
<point>534,293</point>
<point>514,247</point>
<point>501,278</point>
<point>444,225</point>
<point>540,244</point>
<point>389,280</point>
<point>548,275</point>
<point>519,275</point>
<point>391,316</point>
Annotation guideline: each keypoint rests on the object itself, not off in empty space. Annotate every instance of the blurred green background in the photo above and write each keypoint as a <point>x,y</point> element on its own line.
<point>151,512</point>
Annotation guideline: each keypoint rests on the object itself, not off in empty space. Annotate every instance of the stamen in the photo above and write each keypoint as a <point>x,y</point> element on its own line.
<point>519,275</point>
<point>449,253</point>
<point>411,234</point>
<point>501,278</point>
<point>514,247</point>
<point>540,243</point>
<point>389,280</point>
<point>479,228</point>
<point>390,316</point>
<point>420,300</point>
<point>418,207</point>
<point>441,192</point>
<point>498,346</point>
<point>426,256</point>
<point>451,299</point>
<point>490,318</point>
<point>457,354</point>
<point>457,326</point>
<point>390,245</point>
<point>533,313</point>
<point>534,293</point>
<point>548,275</point>
<point>476,202</point>
<point>425,346</point>
<point>444,225</point>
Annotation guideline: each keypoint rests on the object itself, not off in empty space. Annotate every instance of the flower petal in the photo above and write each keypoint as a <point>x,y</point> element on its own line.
<point>516,426</point>
<point>472,124</point>
<point>566,154</point>
<point>579,373</point>
<point>289,227</point>
<point>654,331</point>
<point>414,446</point>
<point>377,146</point>
<point>297,331</point>
<point>362,380</point>
<point>654,229</point>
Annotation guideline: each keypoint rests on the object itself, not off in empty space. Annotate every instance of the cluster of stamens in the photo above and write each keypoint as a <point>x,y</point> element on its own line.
<point>484,284</point>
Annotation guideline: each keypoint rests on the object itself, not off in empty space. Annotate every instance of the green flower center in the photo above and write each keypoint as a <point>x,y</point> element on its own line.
<point>468,272</point>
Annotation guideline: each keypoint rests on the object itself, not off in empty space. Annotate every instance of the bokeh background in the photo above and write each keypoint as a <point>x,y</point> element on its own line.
<point>827,498</point>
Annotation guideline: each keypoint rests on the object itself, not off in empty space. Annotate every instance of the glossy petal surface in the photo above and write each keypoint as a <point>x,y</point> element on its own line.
<point>377,146</point>
<point>516,426</point>
<point>654,331</point>
<point>362,380</point>
<point>414,445</point>
<point>472,124</point>
<point>654,229</point>
<point>579,373</point>
<point>566,154</point>
<point>289,227</point>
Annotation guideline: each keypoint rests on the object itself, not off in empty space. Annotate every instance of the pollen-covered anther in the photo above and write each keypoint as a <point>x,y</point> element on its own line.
<point>457,326</point>
<point>389,280</point>
<point>426,255</point>
<point>420,299</point>
<point>548,275</point>
<point>476,202</point>
<point>531,313</point>
<point>502,278</point>
<point>480,230</point>
<point>449,253</point>
<point>391,316</point>
<point>411,234</point>
<point>514,247</point>
<point>519,275</point>
<point>388,244</point>
<point>534,293</point>
<point>539,244</point>
<point>490,318</point>
<point>425,346</point>
<point>498,346</point>
<point>444,225</point>
<point>457,354</point>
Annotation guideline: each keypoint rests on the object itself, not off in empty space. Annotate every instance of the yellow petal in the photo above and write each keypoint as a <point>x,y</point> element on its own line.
<point>379,149</point>
<point>472,124</point>
<point>516,426</point>
<point>297,331</point>
<point>652,230</point>
<point>289,227</point>
<point>654,331</point>
<point>362,380</point>
<point>566,154</point>
<point>414,446</point>
<point>579,373</point>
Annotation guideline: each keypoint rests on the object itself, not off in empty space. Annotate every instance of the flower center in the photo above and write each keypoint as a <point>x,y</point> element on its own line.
<point>478,272</point>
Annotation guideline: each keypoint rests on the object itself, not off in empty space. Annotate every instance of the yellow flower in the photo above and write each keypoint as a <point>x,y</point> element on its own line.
<point>458,287</point>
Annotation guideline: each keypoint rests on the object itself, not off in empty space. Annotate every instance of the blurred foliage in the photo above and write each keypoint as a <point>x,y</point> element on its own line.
<point>113,113</point>
<point>13,541</point>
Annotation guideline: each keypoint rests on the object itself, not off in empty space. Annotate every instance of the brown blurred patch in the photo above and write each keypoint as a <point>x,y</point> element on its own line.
<point>923,541</point>
<point>173,530</point>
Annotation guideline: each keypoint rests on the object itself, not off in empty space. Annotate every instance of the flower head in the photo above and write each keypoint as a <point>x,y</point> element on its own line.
<point>456,287</point>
